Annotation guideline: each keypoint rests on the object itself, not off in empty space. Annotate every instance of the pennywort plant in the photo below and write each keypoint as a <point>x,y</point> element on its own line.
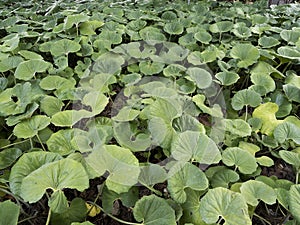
<point>173,113</point>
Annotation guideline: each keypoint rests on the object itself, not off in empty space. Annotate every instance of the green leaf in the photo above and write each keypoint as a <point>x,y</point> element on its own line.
<point>214,111</point>
<point>244,98</point>
<point>30,127</point>
<point>229,205</point>
<point>223,178</point>
<point>51,105</point>
<point>263,80</point>
<point>76,212</point>
<point>89,27</point>
<point>294,201</point>
<point>30,55</point>
<point>9,213</point>
<point>195,146</point>
<point>122,165</point>
<point>65,173</point>
<point>152,174</point>
<point>287,131</point>
<point>60,142</point>
<point>9,156</point>
<point>201,76</point>
<point>203,36</point>
<point>28,163</point>
<point>54,82</point>
<point>246,54</point>
<point>64,47</point>
<point>130,137</point>
<point>10,63</point>
<point>268,42</point>
<point>227,78</point>
<point>108,64</point>
<point>241,31</point>
<point>182,176</point>
<point>290,36</point>
<point>221,27</point>
<point>290,157</point>
<point>109,197</point>
<point>150,68</point>
<point>253,191</point>
<point>74,19</point>
<point>289,52</point>
<point>265,161</point>
<point>237,127</point>
<point>173,28</point>
<point>26,70</point>
<point>154,210</point>
<point>292,92</point>
<point>58,202</point>
<point>266,113</point>
<point>68,118</point>
<point>241,159</point>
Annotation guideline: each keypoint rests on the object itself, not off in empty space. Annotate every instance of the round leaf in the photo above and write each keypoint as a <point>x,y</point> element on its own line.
<point>154,210</point>
<point>173,28</point>
<point>268,42</point>
<point>30,127</point>
<point>183,176</point>
<point>287,131</point>
<point>64,47</point>
<point>294,201</point>
<point>203,37</point>
<point>244,98</point>
<point>247,54</point>
<point>122,165</point>
<point>191,145</point>
<point>241,159</point>
<point>201,76</point>
<point>253,191</point>
<point>221,27</point>
<point>28,163</point>
<point>227,78</point>
<point>152,174</point>
<point>26,70</point>
<point>8,157</point>
<point>65,173</point>
<point>9,213</point>
<point>230,205</point>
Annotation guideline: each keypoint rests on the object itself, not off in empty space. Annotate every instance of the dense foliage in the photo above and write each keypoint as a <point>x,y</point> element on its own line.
<point>176,113</point>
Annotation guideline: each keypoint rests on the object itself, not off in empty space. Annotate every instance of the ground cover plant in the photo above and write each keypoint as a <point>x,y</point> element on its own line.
<point>149,113</point>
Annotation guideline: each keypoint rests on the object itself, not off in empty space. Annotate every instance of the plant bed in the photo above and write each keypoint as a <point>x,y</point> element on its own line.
<point>149,113</point>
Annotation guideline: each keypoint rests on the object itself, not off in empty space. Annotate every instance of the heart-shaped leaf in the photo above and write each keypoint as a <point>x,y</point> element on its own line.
<point>244,98</point>
<point>287,131</point>
<point>221,27</point>
<point>253,191</point>
<point>31,127</point>
<point>173,28</point>
<point>26,70</point>
<point>28,163</point>
<point>201,76</point>
<point>290,157</point>
<point>294,201</point>
<point>195,146</point>
<point>182,176</point>
<point>241,159</point>
<point>230,205</point>
<point>64,47</point>
<point>9,213</point>
<point>64,173</point>
<point>154,210</point>
<point>246,54</point>
<point>227,78</point>
<point>122,165</point>
<point>8,157</point>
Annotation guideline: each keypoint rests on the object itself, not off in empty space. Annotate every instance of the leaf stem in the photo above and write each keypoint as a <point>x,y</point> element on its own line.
<point>115,218</point>
<point>38,137</point>
<point>48,217</point>
<point>246,113</point>
<point>12,144</point>
<point>297,177</point>
<point>263,219</point>
<point>26,219</point>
